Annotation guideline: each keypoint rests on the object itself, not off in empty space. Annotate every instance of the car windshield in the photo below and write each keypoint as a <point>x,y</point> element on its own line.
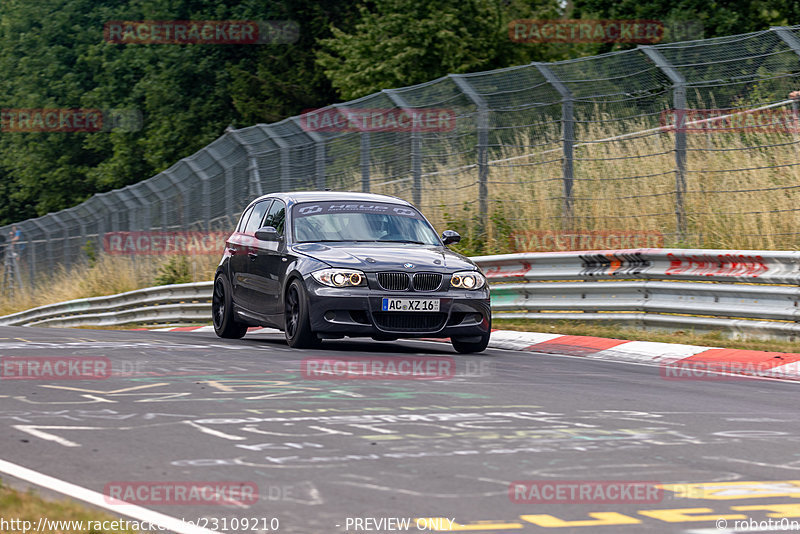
<point>361,222</point>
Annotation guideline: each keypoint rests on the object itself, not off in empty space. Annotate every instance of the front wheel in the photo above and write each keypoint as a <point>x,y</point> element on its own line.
<point>297,325</point>
<point>225,325</point>
<point>467,347</point>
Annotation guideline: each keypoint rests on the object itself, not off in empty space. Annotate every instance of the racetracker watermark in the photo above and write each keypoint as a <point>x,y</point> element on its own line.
<point>585,491</point>
<point>762,525</point>
<point>379,368</point>
<point>181,493</point>
<point>164,243</point>
<point>86,120</point>
<point>730,120</point>
<point>201,32</point>
<point>378,120</point>
<point>54,368</point>
<point>586,31</point>
<point>555,240</point>
<point>726,370</point>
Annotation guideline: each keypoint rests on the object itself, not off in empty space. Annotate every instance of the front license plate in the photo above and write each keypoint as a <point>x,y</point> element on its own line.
<point>420,305</point>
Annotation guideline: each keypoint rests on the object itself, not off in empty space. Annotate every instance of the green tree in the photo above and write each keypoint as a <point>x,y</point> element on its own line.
<point>718,17</point>
<point>402,42</point>
<point>53,55</point>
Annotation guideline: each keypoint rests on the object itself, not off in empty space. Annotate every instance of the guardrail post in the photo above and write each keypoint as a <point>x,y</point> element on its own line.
<point>679,103</point>
<point>483,141</point>
<point>568,142</point>
<point>416,146</point>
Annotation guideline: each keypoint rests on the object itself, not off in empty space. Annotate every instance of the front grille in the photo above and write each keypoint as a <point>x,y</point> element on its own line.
<point>410,321</point>
<point>393,281</point>
<point>427,281</point>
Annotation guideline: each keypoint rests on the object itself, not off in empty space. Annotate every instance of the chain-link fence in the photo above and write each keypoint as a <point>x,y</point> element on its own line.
<point>540,151</point>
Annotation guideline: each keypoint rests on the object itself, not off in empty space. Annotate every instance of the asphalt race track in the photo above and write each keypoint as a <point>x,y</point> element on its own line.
<point>184,407</point>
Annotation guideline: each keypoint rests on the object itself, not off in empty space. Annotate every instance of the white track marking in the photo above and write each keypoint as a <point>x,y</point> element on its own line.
<point>97,499</point>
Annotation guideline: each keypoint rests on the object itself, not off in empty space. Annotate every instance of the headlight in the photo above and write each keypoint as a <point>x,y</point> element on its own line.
<point>340,278</point>
<point>467,280</point>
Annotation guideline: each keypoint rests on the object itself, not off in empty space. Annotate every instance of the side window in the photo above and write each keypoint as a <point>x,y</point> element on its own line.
<point>276,216</point>
<point>243,220</point>
<point>254,222</point>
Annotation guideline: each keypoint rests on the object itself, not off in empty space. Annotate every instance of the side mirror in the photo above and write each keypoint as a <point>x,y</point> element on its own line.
<point>449,237</point>
<point>268,233</point>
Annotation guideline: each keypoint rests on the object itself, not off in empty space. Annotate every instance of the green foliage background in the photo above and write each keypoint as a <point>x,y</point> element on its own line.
<point>52,55</point>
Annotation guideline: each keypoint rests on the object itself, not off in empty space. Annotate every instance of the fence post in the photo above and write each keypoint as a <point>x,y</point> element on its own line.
<point>99,218</point>
<point>679,103</point>
<point>229,194</point>
<point>162,200</point>
<point>144,208</point>
<point>319,155</point>
<point>47,246</point>
<point>416,146</point>
<point>76,256</point>
<point>365,160</point>
<point>483,142</point>
<point>788,37</point>
<point>110,214</point>
<point>183,195</point>
<point>206,181</point>
<point>65,245</point>
<point>285,156</point>
<point>254,184</point>
<point>568,143</point>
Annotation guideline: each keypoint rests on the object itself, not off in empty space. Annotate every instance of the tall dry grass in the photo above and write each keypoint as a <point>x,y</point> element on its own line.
<point>107,275</point>
<point>742,189</point>
<point>743,192</point>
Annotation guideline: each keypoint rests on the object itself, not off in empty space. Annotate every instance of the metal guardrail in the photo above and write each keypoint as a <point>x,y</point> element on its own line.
<point>747,292</point>
<point>176,303</point>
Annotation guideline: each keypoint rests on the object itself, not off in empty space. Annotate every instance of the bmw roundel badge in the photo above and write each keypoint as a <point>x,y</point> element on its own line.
<point>408,265</point>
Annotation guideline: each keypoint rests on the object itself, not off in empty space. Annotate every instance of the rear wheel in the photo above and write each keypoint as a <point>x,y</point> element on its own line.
<point>467,347</point>
<point>225,325</point>
<point>297,325</point>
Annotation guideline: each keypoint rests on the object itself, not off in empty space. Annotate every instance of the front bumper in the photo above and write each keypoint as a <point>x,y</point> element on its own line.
<point>356,312</point>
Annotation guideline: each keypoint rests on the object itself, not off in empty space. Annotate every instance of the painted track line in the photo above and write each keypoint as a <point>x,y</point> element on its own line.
<point>97,499</point>
<point>675,360</point>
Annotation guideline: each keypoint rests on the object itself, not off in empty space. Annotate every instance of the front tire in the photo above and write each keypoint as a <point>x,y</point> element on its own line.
<point>225,325</point>
<point>297,325</point>
<point>468,347</point>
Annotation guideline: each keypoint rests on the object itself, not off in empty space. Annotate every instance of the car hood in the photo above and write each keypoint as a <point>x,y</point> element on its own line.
<point>373,257</point>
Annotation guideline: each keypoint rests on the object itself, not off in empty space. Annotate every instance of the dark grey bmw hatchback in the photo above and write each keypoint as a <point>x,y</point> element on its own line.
<point>324,265</point>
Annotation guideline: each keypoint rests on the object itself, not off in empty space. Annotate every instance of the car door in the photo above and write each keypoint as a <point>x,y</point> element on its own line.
<point>247,255</point>
<point>237,262</point>
<point>269,267</point>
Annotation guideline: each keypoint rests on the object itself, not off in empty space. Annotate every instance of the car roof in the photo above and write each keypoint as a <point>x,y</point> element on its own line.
<point>294,197</point>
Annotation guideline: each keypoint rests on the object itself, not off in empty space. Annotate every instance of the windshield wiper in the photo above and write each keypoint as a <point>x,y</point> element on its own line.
<point>400,241</point>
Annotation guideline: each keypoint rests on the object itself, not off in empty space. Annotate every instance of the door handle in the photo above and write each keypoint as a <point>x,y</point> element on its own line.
<point>232,250</point>
<point>252,255</point>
